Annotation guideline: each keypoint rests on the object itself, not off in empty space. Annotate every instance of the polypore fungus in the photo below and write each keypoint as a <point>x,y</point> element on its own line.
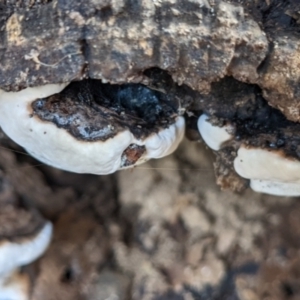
<point>214,136</point>
<point>91,127</point>
<point>16,253</point>
<point>269,171</point>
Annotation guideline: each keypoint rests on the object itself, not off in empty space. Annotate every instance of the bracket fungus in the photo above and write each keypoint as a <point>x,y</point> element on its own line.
<point>252,140</point>
<point>18,252</point>
<point>233,58</point>
<point>214,136</point>
<point>269,171</point>
<point>264,147</point>
<point>91,127</point>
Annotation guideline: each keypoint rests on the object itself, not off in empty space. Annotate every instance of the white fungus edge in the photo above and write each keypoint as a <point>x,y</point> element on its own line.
<point>17,254</point>
<point>57,148</point>
<point>13,255</point>
<point>286,189</point>
<point>213,136</point>
<point>269,171</point>
<point>256,163</point>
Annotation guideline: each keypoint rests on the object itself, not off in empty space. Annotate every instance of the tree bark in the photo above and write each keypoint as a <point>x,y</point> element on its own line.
<point>197,42</point>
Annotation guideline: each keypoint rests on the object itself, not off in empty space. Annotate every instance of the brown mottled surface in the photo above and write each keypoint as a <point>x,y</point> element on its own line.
<point>226,177</point>
<point>18,219</point>
<point>116,41</point>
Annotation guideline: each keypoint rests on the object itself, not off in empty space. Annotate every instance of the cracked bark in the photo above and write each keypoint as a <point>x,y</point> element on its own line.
<point>116,41</point>
<point>197,42</point>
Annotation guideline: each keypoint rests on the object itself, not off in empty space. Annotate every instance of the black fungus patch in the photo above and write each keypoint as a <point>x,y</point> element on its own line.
<point>162,81</point>
<point>90,110</point>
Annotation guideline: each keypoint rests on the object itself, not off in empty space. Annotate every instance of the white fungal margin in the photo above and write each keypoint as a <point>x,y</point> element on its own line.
<point>256,163</point>
<point>213,136</point>
<point>13,254</point>
<point>287,189</point>
<point>165,141</point>
<point>56,147</point>
<point>269,171</point>
<point>19,253</point>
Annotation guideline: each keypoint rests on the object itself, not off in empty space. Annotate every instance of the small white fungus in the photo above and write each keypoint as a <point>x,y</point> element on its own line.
<point>269,171</point>
<point>19,253</point>
<point>256,163</point>
<point>13,255</point>
<point>213,136</point>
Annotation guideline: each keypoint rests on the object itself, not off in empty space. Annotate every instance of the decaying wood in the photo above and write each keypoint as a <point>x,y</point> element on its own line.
<point>116,41</point>
<point>197,42</point>
<point>158,244</point>
<point>203,45</point>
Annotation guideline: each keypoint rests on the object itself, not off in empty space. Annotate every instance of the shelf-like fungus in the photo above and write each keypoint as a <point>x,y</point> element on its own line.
<point>270,162</point>
<point>269,171</point>
<point>18,252</point>
<point>214,136</point>
<point>91,127</point>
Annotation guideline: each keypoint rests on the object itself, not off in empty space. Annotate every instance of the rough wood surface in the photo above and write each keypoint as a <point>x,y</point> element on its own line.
<point>197,42</point>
